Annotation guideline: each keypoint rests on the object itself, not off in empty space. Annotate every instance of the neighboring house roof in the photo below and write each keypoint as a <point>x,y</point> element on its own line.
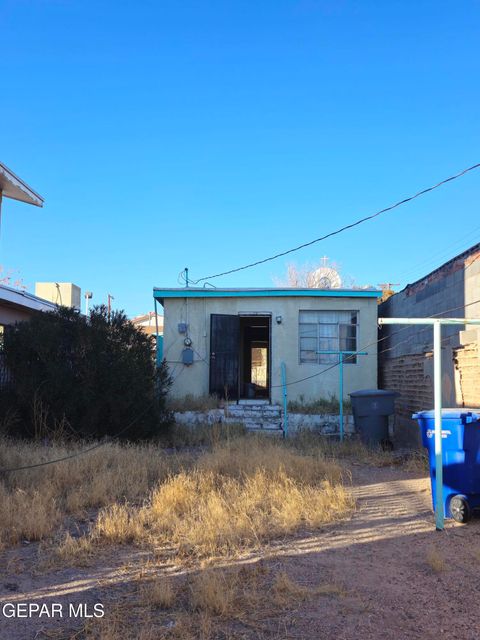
<point>18,298</point>
<point>147,318</point>
<point>274,292</point>
<point>11,186</point>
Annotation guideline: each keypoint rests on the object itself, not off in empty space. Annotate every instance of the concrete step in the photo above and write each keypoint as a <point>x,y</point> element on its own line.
<point>256,417</point>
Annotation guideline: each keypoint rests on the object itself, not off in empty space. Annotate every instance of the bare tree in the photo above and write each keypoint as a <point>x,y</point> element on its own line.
<point>313,276</point>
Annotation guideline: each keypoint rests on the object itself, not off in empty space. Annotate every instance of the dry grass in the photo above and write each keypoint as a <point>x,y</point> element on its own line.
<point>238,493</point>
<point>320,406</point>
<point>416,462</point>
<point>234,602</point>
<point>34,502</point>
<point>436,561</point>
<point>215,592</point>
<point>76,551</point>
<point>193,403</point>
<point>286,590</point>
<point>158,592</point>
<point>202,435</point>
<point>307,441</point>
<point>241,494</point>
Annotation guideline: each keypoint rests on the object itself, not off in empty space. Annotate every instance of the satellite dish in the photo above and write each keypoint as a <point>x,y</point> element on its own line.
<point>326,278</point>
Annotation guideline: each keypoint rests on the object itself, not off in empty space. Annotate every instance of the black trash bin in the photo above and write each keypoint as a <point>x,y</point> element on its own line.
<point>371,408</point>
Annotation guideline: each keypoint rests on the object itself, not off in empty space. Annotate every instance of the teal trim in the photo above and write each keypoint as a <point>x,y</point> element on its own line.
<point>159,350</point>
<point>285,403</point>
<point>161,294</point>
<point>340,383</point>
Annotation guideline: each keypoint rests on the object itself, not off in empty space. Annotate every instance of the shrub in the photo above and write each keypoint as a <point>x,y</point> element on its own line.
<point>87,377</point>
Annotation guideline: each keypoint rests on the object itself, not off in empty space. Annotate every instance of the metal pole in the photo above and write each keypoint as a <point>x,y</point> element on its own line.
<point>437,387</point>
<point>340,355</point>
<point>340,400</point>
<point>156,316</point>
<point>437,377</point>
<point>285,403</point>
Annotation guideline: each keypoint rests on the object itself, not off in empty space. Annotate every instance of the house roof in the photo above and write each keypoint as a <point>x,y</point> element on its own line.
<point>147,317</point>
<point>11,186</point>
<point>273,292</point>
<point>18,298</point>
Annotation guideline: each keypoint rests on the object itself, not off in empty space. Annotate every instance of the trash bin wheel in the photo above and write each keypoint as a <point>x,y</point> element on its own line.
<point>460,509</point>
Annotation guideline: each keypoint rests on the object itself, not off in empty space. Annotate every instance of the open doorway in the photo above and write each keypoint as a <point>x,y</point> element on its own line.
<point>254,358</point>
<point>240,356</point>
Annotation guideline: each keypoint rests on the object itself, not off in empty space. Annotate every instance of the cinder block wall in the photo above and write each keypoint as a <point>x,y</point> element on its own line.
<point>405,352</point>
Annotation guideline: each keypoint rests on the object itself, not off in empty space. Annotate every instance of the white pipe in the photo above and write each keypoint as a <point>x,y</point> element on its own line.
<point>437,388</point>
<point>437,394</point>
<point>383,321</point>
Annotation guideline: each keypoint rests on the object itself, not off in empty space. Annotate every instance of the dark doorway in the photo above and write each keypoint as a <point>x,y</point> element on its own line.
<point>254,361</point>
<point>240,356</point>
<point>224,355</point>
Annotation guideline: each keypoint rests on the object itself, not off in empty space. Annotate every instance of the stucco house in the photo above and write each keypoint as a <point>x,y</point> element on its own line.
<point>234,342</point>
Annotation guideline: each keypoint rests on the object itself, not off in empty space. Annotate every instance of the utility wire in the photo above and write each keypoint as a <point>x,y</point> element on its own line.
<point>463,306</point>
<point>82,451</point>
<point>315,375</point>
<point>345,228</point>
<point>375,342</point>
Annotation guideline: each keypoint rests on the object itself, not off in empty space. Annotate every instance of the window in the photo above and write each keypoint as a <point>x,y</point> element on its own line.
<point>327,331</point>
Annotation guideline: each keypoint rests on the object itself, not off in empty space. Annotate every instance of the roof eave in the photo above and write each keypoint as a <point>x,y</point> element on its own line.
<point>161,294</point>
<point>11,186</point>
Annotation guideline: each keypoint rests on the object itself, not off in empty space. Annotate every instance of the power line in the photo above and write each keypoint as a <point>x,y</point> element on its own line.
<point>462,306</point>
<point>345,228</point>
<point>315,375</point>
<point>376,342</point>
<point>82,451</point>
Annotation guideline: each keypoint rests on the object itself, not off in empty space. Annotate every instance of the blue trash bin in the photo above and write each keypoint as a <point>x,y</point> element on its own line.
<point>460,456</point>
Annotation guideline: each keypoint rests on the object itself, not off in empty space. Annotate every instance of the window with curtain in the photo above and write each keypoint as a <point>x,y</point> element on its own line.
<point>327,331</point>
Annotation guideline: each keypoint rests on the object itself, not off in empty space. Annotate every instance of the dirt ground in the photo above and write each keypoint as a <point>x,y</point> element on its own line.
<point>398,577</point>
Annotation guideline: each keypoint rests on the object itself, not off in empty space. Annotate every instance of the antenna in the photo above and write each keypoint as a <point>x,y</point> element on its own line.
<point>388,286</point>
<point>109,304</point>
<point>88,296</point>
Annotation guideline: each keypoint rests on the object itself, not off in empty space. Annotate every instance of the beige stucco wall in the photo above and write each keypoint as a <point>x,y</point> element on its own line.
<point>284,343</point>
<point>11,315</point>
<point>64,293</point>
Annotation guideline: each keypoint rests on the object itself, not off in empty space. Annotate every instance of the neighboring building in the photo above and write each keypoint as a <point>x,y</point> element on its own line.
<point>17,305</point>
<point>232,342</point>
<point>148,323</point>
<point>405,352</point>
<point>65,294</point>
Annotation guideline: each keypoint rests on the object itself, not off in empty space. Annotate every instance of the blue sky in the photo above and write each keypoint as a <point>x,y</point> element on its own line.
<point>166,134</point>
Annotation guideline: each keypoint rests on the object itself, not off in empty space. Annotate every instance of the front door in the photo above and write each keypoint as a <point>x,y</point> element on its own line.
<point>224,355</point>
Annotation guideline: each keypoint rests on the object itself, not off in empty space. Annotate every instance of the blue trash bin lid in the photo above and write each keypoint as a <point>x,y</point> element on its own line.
<point>449,414</point>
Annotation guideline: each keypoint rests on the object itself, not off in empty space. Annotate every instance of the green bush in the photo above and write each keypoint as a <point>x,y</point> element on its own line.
<point>84,377</point>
